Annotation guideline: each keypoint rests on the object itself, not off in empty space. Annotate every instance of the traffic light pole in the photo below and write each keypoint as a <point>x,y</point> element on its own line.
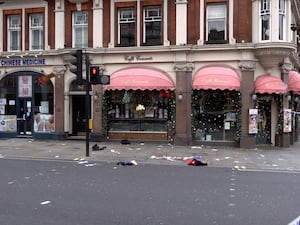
<point>87,106</point>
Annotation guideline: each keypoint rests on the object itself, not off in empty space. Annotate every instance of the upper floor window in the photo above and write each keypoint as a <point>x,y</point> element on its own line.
<point>36,31</point>
<point>216,23</point>
<point>281,19</point>
<point>14,33</point>
<point>265,16</point>
<point>152,32</point>
<point>80,29</point>
<point>126,27</point>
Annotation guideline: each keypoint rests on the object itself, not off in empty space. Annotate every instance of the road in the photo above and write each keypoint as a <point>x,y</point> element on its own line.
<point>70,193</point>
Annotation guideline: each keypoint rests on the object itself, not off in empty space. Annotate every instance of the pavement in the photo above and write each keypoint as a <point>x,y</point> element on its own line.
<point>261,158</point>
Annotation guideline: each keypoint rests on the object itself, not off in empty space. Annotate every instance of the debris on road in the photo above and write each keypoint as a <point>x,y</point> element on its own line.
<point>127,163</point>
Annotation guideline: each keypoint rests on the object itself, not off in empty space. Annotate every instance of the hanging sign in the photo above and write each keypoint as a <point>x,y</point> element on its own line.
<point>253,114</point>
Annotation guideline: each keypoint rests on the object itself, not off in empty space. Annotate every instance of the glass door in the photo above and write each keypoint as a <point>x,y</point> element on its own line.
<point>24,116</point>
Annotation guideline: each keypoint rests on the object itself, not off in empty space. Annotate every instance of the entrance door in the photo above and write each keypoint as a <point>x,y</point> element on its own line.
<point>264,122</point>
<point>79,115</point>
<point>24,116</point>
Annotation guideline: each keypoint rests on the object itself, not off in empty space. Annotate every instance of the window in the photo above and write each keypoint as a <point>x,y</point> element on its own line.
<point>126,27</point>
<point>36,31</point>
<point>152,26</point>
<point>14,33</point>
<point>216,23</point>
<point>80,29</point>
<point>281,19</point>
<point>265,14</point>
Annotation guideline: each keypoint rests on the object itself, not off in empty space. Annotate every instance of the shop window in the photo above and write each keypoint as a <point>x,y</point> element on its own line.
<point>216,23</point>
<point>126,27</point>
<point>131,112</point>
<point>80,29</point>
<point>36,31</point>
<point>14,32</point>
<point>265,18</point>
<point>152,32</point>
<point>215,115</point>
<point>281,19</point>
<point>44,107</point>
<point>8,104</point>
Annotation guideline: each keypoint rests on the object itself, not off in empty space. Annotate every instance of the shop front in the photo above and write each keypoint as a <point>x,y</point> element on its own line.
<point>139,104</point>
<point>26,105</point>
<point>216,106</point>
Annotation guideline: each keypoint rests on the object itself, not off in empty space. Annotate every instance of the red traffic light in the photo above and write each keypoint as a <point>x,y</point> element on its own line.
<point>94,70</point>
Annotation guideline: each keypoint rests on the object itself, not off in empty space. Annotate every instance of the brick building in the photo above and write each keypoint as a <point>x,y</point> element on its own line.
<point>218,72</point>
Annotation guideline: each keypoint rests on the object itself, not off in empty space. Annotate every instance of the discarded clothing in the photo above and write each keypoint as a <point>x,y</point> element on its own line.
<point>196,162</point>
<point>127,163</point>
<point>95,147</point>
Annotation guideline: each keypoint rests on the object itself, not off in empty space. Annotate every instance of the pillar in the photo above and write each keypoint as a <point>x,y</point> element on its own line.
<point>183,134</point>
<point>247,88</point>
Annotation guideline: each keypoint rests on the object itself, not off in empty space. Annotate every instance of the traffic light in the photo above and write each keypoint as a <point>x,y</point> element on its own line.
<point>94,74</point>
<point>96,77</point>
<point>76,64</point>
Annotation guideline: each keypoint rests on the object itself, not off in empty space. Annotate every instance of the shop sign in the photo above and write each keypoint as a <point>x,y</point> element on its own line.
<point>25,86</point>
<point>253,114</point>
<point>287,120</point>
<point>23,62</point>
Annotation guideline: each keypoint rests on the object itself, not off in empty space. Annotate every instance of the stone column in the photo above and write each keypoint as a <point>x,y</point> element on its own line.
<point>59,29</point>
<point>183,106</point>
<point>97,134</point>
<point>247,88</point>
<point>59,102</point>
<point>285,67</point>
<point>181,22</point>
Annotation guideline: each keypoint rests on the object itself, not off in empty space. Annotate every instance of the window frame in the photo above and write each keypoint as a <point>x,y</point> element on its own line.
<point>40,29</point>
<point>265,12</point>
<point>132,20</point>
<point>10,30</point>
<point>282,20</point>
<point>84,30</point>
<point>152,19</point>
<point>224,19</point>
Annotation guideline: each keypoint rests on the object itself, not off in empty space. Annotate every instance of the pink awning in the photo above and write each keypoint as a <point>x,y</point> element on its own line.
<point>139,79</point>
<point>269,85</point>
<point>216,78</point>
<point>294,82</point>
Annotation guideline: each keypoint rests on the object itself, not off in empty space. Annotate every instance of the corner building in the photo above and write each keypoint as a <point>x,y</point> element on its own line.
<point>212,72</point>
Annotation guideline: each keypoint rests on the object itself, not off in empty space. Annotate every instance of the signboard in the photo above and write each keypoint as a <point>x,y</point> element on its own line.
<point>25,86</point>
<point>287,120</point>
<point>253,114</point>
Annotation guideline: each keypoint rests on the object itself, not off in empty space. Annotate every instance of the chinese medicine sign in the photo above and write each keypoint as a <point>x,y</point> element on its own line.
<point>287,120</point>
<point>253,113</point>
<point>25,86</point>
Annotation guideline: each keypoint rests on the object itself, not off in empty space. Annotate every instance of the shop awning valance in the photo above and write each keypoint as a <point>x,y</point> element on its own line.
<point>139,79</point>
<point>216,78</point>
<point>270,85</point>
<point>294,82</point>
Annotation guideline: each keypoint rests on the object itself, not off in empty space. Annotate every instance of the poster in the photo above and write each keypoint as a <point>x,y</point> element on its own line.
<point>287,120</point>
<point>253,121</point>
<point>44,123</point>
<point>8,123</point>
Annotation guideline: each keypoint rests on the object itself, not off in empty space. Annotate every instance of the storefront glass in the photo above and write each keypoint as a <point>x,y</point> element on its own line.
<point>8,118</point>
<point>133,112</point>
<point>216,115</point>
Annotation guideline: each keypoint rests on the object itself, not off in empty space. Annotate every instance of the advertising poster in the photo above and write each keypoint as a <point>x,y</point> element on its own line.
<point>253,113</point>
<point>287,120</point>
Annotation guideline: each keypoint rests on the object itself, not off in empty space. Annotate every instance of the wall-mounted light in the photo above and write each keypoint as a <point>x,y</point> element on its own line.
<point>96,96</point>
<point>180,96</point>
<point>253,96</point>
<point>294,27</point>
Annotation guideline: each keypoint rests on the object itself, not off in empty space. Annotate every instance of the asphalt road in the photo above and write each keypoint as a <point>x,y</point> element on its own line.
<point>84,193</point>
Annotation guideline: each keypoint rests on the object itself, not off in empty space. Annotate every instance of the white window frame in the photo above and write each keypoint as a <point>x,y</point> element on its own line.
<point>149,19</point>
<point>36,28</point>
<point>80,24</point>
<point>216,17</point>
<point>265,14</point>
<point>282,20</point>
<point>122,19</point>
<point>11,30</point>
